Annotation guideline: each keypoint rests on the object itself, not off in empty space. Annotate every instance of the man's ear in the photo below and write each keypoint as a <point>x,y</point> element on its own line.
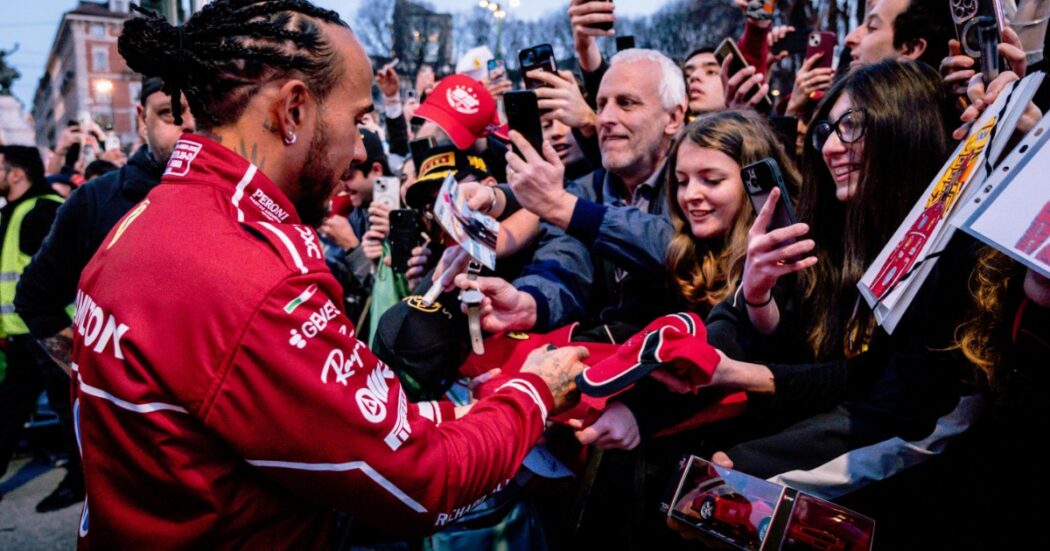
<point>489,181</point>
<point>140,121</point>
<point>677,119</point>
<point>376,170</point>
<point>293,109</point>
<point>913,49</point>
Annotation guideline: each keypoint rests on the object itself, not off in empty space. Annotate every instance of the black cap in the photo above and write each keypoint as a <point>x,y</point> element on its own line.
<point>438,164</point>
<point>150,86</point>
<point>26,158</point>
<point>425,346</point>
<point>374,152</point>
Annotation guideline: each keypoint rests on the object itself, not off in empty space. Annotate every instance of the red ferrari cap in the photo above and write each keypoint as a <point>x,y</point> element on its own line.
<point>463,108</point>
<point>676,342</point>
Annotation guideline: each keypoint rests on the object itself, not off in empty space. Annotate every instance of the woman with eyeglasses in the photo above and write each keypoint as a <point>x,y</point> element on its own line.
<point>834,401</point>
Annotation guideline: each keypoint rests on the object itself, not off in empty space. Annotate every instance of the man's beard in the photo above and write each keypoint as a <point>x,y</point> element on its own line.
<point>315,181</point>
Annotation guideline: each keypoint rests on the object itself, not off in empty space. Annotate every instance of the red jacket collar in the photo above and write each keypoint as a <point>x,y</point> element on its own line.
<point>252,195</point>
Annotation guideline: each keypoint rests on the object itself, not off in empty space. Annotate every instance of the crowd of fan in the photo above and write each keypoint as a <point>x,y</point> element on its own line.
<point>635,208</point>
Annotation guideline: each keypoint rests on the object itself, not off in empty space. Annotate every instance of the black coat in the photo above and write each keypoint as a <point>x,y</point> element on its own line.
<point>49,283</point>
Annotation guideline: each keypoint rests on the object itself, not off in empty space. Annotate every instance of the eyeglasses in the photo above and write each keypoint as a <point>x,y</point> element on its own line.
<point>849,128</point>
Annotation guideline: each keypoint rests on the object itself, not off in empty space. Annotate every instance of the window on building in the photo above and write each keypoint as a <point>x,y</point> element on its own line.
<point>100,58</point>
<point>98,30</point>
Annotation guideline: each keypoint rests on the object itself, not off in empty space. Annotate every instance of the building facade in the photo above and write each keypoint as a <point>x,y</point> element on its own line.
<point>85,73</point>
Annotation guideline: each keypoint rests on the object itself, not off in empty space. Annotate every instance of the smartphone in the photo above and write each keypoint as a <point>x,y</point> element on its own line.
<point>386,190</point>
<point>406,233</point>
<point>794,42</point>
<point>727,47</point>
<point>607,26</point>
<point>536,57</point>
<point>112,141</point>
<point>759,180</point>
<point>419,149</point>
<point>497,65</point>
<point>988,37</point>
<point>523,115</point>
<point>624,43</point>
<point>821,42</point>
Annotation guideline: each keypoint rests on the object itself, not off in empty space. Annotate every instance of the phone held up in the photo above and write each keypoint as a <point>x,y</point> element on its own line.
<point>759,180</point>
<point>725,49</point>
<point>523,115</point>
<point>536,57</point>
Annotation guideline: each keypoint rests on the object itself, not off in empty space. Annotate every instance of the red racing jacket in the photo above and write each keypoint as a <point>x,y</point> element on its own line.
<point>222,400</point>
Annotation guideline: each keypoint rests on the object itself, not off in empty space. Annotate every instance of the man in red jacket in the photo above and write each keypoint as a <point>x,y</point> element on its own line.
<point>221,397</point>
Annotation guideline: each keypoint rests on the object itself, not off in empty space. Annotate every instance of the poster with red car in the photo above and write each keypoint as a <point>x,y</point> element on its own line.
<point>1015,215</point>
<point>720,506</point>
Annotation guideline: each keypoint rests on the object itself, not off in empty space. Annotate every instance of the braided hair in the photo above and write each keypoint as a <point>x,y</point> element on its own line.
<point>222,56</point>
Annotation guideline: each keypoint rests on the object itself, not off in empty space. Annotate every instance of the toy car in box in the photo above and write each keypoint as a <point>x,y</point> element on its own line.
<point>745,512</point>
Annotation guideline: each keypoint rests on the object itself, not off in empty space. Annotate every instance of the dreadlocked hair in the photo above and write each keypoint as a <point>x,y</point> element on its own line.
<point>226,52</point>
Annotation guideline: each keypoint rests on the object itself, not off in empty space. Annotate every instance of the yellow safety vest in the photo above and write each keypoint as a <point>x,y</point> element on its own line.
<point>12,262</point>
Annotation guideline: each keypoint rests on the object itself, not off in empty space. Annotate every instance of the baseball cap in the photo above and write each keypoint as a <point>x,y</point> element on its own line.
<point>439,162</point>
<point>475,62</point>
<point>463,108</point>
<point>424,345</point>
<point>676,342</point>
<point>374,152</point>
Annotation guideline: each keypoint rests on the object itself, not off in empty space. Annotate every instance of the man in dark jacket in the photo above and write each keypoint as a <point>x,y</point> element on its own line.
<point>24,221</point>
<point>49,283</point>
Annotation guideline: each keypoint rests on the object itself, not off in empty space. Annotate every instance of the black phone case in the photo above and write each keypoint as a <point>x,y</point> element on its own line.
<point>523,115</point>
<point>405,235</point>
<point>759,180</point>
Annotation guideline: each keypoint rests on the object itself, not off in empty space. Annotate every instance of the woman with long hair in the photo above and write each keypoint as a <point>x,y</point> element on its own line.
<point>842,402</point>
<point>708,204</point>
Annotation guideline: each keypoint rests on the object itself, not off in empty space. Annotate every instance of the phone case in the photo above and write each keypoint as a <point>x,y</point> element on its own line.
<point>386,190</point>
<point>823,42</point>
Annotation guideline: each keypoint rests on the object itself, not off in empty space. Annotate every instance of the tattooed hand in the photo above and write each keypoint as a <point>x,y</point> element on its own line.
<point>60,348</point>
<point>558,368</point>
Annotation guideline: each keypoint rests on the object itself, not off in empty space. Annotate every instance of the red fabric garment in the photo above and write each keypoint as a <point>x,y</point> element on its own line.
<point>223,401</point>
<point>753,45</point>
<point>508,351</point>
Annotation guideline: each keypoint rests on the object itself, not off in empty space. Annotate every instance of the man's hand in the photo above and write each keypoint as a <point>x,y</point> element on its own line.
<point>482,198</point>
<point>615,429</point>
<point>745,89</point>
<point>388,81</point>
<point>60,348</point>
<point>504,308</point>
<point>558,367</point>
<point>582,15</point>
<point>538,182</point>
<point>562,100</point>
<point>337,229</point>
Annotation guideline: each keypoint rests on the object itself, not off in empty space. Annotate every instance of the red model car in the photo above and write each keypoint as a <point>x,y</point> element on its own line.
<point>811,537</point>
<point>719,502</point>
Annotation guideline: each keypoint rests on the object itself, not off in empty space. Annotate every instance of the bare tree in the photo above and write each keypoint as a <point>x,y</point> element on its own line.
<point>374,26</point>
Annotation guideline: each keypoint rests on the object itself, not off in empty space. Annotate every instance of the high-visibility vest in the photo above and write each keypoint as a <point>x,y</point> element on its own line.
<point>12,262</point>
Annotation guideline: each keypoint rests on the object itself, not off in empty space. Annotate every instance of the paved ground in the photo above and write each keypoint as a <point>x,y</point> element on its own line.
<point>21,527</point>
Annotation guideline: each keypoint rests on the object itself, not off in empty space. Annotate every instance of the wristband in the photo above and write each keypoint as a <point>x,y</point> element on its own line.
<point>760,305</point>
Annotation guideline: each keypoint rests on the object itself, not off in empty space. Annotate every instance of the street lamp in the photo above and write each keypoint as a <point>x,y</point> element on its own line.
<point>497,11</point>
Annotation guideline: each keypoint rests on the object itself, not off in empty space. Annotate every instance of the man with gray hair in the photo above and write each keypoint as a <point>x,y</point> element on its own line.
<point>617,213</point>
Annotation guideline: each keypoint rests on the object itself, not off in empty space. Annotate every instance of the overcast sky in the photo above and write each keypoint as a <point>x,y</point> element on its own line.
<point>32,24</point>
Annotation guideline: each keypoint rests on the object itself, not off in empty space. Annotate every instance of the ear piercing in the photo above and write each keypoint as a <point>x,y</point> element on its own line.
<point>290,138</point>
